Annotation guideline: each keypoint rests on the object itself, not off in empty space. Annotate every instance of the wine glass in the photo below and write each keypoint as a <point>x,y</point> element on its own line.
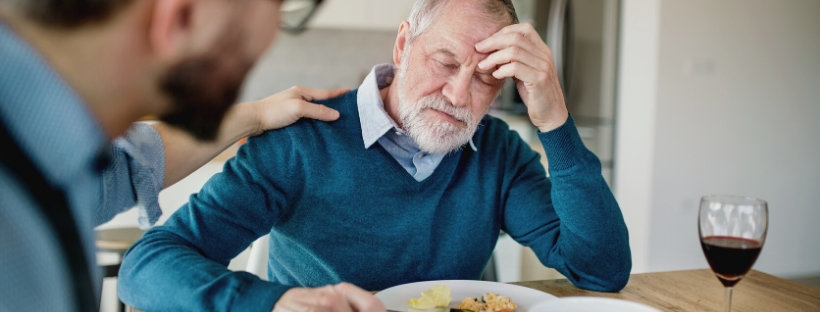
<point>732,231</point>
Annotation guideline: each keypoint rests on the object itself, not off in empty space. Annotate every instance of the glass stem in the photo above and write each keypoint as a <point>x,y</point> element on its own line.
<point>728,299</point>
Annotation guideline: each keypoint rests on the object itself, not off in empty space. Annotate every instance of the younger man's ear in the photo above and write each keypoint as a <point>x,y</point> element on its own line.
<point>170,26</point>
<point>401,43</point>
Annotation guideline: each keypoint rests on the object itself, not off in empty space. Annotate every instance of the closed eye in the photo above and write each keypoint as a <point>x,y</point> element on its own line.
<point>448,65</point>
<point>444,69</point>
<point>486,78</point>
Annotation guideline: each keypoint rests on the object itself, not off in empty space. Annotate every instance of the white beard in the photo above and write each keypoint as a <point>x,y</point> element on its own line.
<point>432,134</point>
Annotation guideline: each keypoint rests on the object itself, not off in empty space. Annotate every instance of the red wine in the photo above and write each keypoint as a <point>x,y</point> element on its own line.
<point>730,257</point>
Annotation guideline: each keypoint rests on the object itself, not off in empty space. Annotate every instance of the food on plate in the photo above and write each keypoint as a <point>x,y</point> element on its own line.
<point>490,302</point>
<point>437,296</point>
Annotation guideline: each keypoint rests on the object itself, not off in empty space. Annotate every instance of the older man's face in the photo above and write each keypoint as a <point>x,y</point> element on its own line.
<point>442,93</point>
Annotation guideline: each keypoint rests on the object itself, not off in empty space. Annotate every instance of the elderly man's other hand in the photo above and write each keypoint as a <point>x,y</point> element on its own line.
<point>518,51</point>
<point>341,297</point>
<point>286,107</point>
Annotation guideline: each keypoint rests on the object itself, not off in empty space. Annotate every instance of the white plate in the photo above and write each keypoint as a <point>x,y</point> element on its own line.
<point>591,304</point>
<point>395,298</point>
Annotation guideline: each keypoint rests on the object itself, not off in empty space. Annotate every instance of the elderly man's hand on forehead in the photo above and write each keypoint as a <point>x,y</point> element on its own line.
<point>517,51</point>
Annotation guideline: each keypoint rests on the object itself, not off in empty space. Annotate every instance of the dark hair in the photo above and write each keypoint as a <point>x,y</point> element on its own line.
<point>66,13</point>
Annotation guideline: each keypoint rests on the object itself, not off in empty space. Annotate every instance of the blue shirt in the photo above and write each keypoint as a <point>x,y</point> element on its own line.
<point>377,126</point>
<point>337,211</point>
<point>135,176</point>
<point>57,131</point>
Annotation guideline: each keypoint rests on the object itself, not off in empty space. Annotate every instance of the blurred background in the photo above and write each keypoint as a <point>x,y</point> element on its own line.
<point>677,98</point>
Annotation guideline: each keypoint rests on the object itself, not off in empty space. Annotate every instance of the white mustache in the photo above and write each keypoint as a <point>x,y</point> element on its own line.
<point>439,103</point>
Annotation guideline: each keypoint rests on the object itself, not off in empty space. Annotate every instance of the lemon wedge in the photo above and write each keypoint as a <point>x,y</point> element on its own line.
<point>437,296</point>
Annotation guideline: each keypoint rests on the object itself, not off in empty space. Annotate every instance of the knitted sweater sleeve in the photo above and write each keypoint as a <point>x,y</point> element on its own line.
<point>182,265</point>
<point>571,220</point>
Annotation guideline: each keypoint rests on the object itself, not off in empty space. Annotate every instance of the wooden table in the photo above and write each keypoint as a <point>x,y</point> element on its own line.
<point>700,290</point>
<point>117,239</point>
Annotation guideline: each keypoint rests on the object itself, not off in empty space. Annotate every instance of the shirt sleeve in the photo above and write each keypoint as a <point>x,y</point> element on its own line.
<point>182,264</point>
<point>134,176</point>
<point>570,219</point>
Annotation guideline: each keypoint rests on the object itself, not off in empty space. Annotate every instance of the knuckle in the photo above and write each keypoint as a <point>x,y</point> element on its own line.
<point>542,76</point>
<point>297,108</point>
<point>530,31</point>
<point>340,287</point>
<point>516,50</point>
<point>514,66</point>
<point>327,300</point>
<point>373,305</point>
<point>344,285</point>
<point>528,27</point>
<point>295,89</point>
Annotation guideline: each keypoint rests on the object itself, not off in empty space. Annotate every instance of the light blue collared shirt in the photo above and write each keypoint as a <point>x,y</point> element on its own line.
<point>377,126</point>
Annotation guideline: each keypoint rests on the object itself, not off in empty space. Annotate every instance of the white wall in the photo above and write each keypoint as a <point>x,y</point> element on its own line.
<point>735,109</point>
<point>362,14</point>
<point>634,141</point>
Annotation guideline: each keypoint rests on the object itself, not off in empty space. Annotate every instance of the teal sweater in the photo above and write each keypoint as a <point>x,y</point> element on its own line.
<point>339,212</point>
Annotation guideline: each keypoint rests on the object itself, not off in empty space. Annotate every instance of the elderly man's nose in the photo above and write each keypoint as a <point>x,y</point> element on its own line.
<point>457,90</point>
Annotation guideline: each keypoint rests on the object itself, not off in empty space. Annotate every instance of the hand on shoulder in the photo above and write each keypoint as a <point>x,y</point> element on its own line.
<point>286,107</point>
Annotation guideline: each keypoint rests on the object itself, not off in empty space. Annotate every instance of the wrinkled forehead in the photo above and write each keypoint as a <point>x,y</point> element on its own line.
<point>459,27</point>
<point>470,18</point>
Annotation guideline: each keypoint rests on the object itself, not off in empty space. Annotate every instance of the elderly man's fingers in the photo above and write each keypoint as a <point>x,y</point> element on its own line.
<point>359,299</point>
<point>520,71</point>
<point>516,34</point>
<point>515,54</point>
<point>322,299</point>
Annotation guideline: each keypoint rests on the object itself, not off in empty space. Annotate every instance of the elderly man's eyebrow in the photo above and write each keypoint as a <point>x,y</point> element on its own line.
<point>446,52</point>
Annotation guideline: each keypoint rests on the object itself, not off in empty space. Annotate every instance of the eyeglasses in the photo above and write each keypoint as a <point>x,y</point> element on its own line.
<point>294,14</point>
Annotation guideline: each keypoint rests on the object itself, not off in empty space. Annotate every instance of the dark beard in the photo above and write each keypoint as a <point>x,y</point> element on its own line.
<point>202,89</point>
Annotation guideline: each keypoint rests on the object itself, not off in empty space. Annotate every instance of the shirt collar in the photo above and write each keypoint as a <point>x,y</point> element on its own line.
<point>374,119</point>
<point>48,119</point>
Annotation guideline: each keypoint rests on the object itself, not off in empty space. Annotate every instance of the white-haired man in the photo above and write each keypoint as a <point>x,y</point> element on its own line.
<point>413,182</point>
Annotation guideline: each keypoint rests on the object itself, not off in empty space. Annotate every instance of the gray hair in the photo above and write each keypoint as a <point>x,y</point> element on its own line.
<point>425,11</point>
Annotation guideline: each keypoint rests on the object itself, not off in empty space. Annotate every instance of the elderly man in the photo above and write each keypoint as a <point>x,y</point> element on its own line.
<point>413,182</point>
<point>75,74</point>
